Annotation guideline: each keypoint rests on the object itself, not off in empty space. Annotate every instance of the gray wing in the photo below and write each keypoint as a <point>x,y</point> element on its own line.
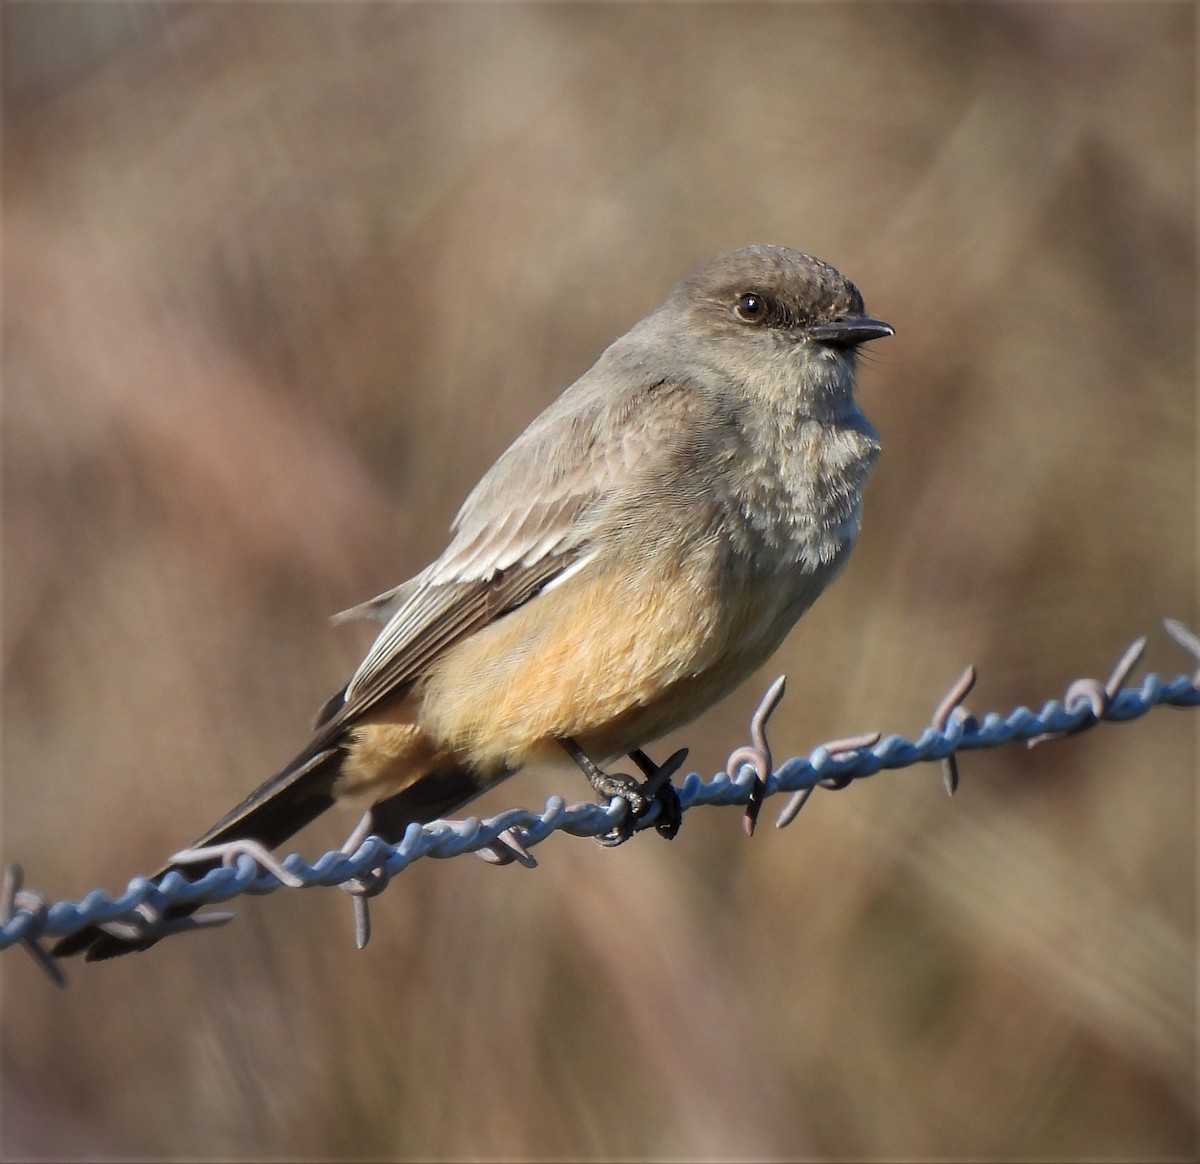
<point>435,616</point>
<point>534,516</point>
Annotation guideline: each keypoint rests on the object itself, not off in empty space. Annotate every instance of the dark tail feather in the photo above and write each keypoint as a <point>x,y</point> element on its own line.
<point>435,795</point>
<point>281,807</point>
<point>271,814</point>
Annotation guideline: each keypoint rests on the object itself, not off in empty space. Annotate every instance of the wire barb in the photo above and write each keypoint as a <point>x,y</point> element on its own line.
<point>951,706</point>
<point>846,746</point>
<point>147,921</point>
<point>14,901</point>
<point>227,854</point>
<point>1188,641</point>
<point>1093,697</point>
<point>757,754</point>
<point>507,848</point>
<point>366,884</point>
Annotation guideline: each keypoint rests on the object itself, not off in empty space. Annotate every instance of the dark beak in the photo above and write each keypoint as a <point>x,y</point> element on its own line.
<point>849,333</point>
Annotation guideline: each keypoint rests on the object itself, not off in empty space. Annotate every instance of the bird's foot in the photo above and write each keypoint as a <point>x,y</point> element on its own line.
<point>639,796</point>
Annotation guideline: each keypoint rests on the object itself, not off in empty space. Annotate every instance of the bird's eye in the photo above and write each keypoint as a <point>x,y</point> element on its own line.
<point>751,308</point>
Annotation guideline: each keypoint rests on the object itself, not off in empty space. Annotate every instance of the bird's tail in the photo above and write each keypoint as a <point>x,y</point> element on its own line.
<point>279,808</point>
<point>283,805</point>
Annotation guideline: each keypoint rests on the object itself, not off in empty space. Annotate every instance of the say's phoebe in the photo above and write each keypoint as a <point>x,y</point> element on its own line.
<point>641,548</point>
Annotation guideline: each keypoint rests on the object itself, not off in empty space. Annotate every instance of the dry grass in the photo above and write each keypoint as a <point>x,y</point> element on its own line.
<point>281,280</point>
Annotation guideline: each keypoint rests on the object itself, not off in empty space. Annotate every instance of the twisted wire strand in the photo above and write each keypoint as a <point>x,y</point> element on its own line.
<point>366,864</point>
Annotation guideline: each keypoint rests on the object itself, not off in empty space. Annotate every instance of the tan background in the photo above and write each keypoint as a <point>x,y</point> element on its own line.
<point>280,281</point>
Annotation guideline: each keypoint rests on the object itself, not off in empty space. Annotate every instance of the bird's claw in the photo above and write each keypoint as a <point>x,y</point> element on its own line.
<point>639,797</point>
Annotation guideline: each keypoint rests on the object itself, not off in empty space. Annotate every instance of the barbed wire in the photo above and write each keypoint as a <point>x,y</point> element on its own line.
<point>365,864</point>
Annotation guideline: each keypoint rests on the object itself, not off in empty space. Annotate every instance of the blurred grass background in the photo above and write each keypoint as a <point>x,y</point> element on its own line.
<point>280,281</point>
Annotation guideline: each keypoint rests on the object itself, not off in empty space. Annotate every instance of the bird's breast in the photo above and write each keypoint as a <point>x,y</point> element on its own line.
<point>801,504</point>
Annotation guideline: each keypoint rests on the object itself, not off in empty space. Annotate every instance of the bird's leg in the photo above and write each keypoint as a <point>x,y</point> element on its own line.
<point>639,797</point>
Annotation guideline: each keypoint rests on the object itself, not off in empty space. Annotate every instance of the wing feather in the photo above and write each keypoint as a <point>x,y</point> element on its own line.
<point>436,616</point>
<point>535,515</point>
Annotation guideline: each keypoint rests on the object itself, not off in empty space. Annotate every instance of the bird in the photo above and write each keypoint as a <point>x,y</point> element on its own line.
<point>638,551</point>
